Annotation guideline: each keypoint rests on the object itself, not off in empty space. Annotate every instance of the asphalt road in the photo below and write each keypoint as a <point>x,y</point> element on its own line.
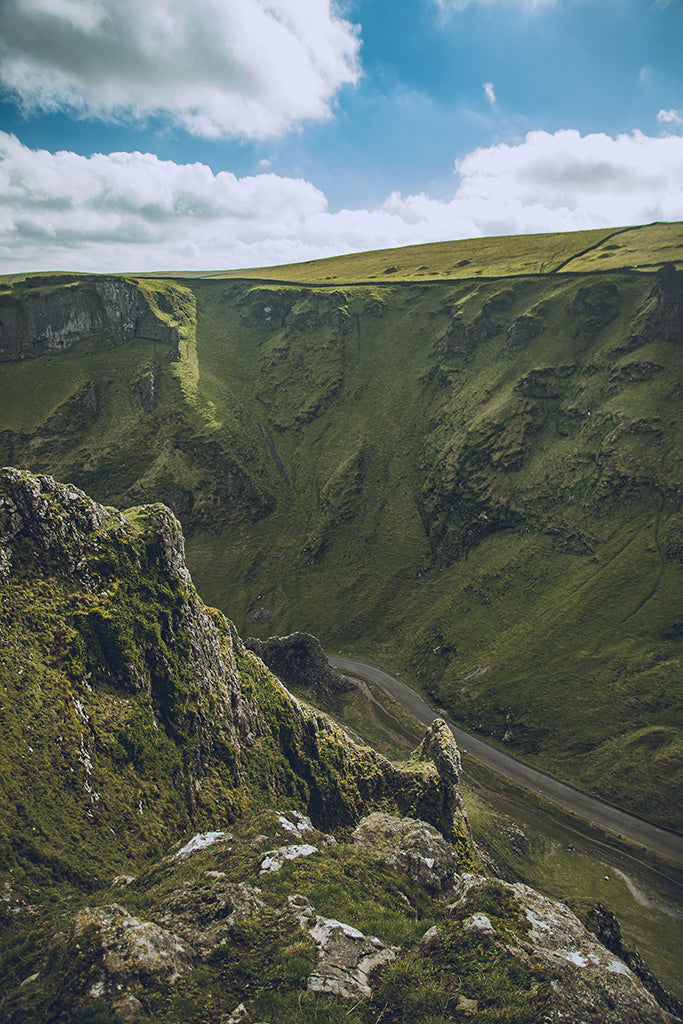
<point>627,826</point>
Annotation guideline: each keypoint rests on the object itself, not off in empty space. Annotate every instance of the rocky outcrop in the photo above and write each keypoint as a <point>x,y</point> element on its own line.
<point>411,845</point>
<point>114,951</point>
<point>605,925</point>
<point>346,957</point>
<point>588,981</point>
<point>181,688</point>
<point>595,305</point>
<point>299,660</point>
<point>46,316</point>
<point>669,294</point>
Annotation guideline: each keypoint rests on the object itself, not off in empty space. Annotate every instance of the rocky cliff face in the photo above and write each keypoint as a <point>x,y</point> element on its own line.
<point>184,841</point>
<point>48,315</point>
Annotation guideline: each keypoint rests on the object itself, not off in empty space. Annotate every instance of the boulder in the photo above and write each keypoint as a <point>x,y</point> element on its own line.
<point>346,956</point>
<point>411,845</point>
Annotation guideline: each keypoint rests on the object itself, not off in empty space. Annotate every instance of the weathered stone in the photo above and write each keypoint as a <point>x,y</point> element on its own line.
<point>118,951</point>
<point>588,981</point>
<point>411,845</point>
<point>204,915</point>
<point>274,859</point>
<point>478,923</point>
<point>34,321</point>
<point>346,956</point>
<point>299,660</point>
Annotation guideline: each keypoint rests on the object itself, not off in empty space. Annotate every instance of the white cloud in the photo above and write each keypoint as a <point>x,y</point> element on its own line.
<point>250,68</point>
<point>490,93</point>
<point>132,211</point>
<point>674,117</point>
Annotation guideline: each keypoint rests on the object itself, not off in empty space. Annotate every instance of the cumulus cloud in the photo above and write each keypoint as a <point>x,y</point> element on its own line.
<point>248,68</point>
<point>132,211</point>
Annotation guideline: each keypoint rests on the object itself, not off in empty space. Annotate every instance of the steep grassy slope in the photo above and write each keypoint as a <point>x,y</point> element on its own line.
<point>473,480</point>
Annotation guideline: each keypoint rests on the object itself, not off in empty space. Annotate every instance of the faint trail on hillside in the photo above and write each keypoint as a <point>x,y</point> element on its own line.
<point>265,433</point>
<point>649,902</point>
<point>591,248</point>
<point>605,816</point>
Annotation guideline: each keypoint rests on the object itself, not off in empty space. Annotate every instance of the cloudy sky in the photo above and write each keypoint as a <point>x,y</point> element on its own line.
<point>217,134</point>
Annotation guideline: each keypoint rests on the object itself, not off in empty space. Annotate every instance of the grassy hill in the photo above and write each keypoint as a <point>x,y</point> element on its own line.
<point>461,461</point>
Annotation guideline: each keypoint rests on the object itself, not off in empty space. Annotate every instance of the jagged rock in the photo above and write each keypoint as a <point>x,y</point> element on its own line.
<point>148,634</point>
<point>113,951</point>
<point>346,956</point>
<point>439,747</point>
<point>605,925</point>
<point>588,981</point>
<point>411,845</point>
<point>203,916</point>
<point>299,660</point>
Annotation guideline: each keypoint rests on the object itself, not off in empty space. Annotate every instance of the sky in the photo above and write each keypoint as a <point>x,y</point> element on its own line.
<point>220,134</point>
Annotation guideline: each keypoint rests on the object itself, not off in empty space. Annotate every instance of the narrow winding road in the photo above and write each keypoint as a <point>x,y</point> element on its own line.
<point>627,826</point>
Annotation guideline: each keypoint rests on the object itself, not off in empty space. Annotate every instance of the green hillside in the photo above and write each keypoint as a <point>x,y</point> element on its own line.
<point>461,461</point>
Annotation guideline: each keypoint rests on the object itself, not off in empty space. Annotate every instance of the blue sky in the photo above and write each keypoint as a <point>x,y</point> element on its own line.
<point>224,133</point>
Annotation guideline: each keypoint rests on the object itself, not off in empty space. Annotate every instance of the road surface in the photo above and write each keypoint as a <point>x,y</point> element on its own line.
<point>635,830</point>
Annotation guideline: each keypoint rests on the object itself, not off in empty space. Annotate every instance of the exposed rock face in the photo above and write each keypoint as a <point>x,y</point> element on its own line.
<point>412,845</point>
<point>669,294</point>
<point>51,318</point>
<point>588,981</point>
<point>607,930</point>
<point>439,747</point>
<point>346,956</point>
<point>299,660</point>
<point>203,704</point>
<point>125,951</point>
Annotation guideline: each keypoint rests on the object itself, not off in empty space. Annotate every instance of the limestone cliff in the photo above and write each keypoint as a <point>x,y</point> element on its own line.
<point>48,315</point>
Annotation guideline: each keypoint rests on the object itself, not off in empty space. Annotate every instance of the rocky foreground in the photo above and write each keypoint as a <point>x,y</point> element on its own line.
<point>185,841</point>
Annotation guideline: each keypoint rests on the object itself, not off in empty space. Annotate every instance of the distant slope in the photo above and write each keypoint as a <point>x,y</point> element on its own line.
<point>626,248</point>
<point>474,480</point>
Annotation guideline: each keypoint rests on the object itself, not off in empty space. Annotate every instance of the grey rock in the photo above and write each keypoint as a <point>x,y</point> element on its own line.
<point>124,951</point>
<point>411,845</point>
<point>204,915</point>
<point>588,981</point>
<point>299,660</point>
<point>347,958</point>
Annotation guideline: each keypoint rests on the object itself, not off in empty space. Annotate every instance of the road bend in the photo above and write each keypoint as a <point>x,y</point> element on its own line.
<point>620,823</point>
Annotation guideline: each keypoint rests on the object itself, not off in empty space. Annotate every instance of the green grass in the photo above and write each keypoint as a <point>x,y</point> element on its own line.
<point>429,494</point>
